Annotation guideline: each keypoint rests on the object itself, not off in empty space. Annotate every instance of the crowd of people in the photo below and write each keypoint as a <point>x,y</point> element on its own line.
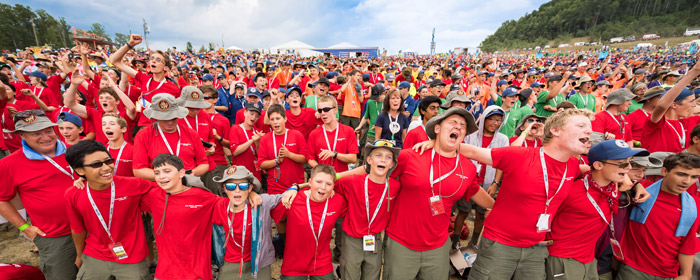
<point>136,164</point>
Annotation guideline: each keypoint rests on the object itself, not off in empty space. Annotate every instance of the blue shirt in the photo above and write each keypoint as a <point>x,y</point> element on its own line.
<point>231,102</point>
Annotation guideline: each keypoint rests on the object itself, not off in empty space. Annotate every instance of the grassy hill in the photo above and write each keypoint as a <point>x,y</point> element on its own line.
<point>559,21</point>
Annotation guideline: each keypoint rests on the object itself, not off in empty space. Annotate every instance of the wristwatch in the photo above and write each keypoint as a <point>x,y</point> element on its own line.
<point>335,155</point>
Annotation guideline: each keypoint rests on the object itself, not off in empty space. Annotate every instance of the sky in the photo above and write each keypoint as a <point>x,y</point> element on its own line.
<point>261,24</point>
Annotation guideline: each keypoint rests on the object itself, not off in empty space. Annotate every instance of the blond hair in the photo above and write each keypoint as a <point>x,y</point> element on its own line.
<point>559,119</point>
<point>120,120</point>
<point>329,99</point>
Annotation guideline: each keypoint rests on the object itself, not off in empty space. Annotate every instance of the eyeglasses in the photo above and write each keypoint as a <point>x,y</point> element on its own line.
<point>99,164</point>
<point>241,186</point>
<point>534,120</point>
<point>619,164</point>
<point>498,120</point>
<point>325,110</point>
<point>384,143</point>
<point>158,60</point>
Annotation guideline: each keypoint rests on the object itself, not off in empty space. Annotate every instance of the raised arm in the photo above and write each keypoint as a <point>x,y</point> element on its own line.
<point>555,90</point>
<point>128,104</point>
<point>116,58</point>
<point>667,99</point>
<point>69,95</point>
<point>84,52</point>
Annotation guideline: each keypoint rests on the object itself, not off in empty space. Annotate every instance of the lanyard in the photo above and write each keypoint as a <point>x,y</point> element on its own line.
<point>40,92</point>
<point>248,139</point>
<point>622,125</point>
<point>196,122</point>
<point>274,142</point>
<point>681,136</point>
<point>335,141</point>
<point>59,167</point>
<point>149,82</point>
<point>532,141</point>
<point>230,230</point>
<point>97,211</point>
<point>167,145</point>
<point>597,208</point>
<point>443,177</point>
<point>311,223</point>
<point>379,205</point>
<point>584,99</point>
<point>119,155</point>
<point>546,180</point>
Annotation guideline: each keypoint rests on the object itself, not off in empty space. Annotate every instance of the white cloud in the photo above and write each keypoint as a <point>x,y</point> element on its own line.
<point>251,24</point>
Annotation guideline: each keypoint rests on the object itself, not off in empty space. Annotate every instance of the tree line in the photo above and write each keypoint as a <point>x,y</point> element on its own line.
<point>599,20</point>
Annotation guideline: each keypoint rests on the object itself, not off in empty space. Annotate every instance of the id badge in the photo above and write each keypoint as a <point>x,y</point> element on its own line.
<point>617,249</point>
<point>118,251</point>
<point>436,207</point>
<point>276,174</point>
<point>255,163</point>
<point>543,223</point>
<point>368,243</point>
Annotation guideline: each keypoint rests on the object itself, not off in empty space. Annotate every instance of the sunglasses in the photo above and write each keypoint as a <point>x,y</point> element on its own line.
<point>99,164</point>
<point>207,97</point>
<point>325,110</point>
<point>531,121</point>
<point>384,143</point>
<point>241,186</point>
<point>620,164</point>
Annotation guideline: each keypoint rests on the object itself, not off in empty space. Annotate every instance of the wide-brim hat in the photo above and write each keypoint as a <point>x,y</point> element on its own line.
<point>619,96</point>
<point>656,170</point>
<point>524,119</point>
<point>582,80</point>
<point>652,92</point>
<point>192,97</point>
<point>31,121</point>
<point>647,161</point>
<point>454,96</point>
<point>237,172</point>
<point>381,143</point>
<point>468,117</point>
<point>164,107</point>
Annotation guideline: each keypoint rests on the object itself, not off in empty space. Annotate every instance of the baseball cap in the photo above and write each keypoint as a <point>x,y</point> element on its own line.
<point>685,93</point>
<point>404,84</point>
<point>207,77</point>
<point>293,88</point>
<point>253,106</point>
<point>456,75</point>
<point>220,76</point>
<point>38,74</point>
<point>437,82</point>
<point>322,80</point>
<point>331,75</point>
<point>536,84</point>
<point>509,91</point>
<point>253,91</point>
<point>390,77</point>
<point>496,111</point>
<point>239,85</point>
<point>503,82</point>
<point>71,118</point>
<point>366,77</point>
<point>612,149</point>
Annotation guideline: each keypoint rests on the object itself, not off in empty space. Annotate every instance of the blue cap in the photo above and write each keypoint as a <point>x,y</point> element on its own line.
<point>294,88</point>
<point>366,77</point>
<point>685,93</point>
<point>331,75</point>
<point>253,91</point>
<point>509,92</point>
<point>404,84</point>
<point>494,112</point>
<point>613,149</point>
<point>39,74</point>
<point>71,118</point>
<point>536,84</point>
<point>558,63</point>
<point>502,82</point>
<point>207,77</point>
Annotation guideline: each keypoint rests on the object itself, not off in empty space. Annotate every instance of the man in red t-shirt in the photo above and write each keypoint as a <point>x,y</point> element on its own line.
<point>105,218</point>
<point>611,121</point>
<point>40,192</point>
<point>310,220</point>
<point>340,145</point>
<point>535,183</point>
<point>659,241</point>
<point>300,119</point>
<point>668,126</point>
<point>245,139</point>
<point>588,209</point>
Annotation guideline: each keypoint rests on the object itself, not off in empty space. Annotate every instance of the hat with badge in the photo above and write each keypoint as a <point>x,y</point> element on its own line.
<point>238,172</point>
<point>164,107</point>
<point>192,97</point>
<point>468,117</point>
<point>254,106</point>
<point>253,91</point>
<point>613,149</point>
<point>31,121</point>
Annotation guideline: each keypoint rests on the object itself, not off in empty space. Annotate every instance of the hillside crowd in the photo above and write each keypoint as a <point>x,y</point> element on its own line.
<point>170,165</point>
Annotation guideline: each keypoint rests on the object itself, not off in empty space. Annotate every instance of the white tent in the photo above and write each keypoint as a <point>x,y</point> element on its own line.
<point>294,47</point>
<point>234,48</point>
<point>343,45</point>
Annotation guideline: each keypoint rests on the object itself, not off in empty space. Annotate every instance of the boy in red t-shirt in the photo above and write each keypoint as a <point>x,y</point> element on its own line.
<point>114,127</point>
<point>612,120</point>
<point>332,143</point>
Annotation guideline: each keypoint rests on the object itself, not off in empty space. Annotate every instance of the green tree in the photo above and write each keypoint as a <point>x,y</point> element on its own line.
<point>211,46</point>
<point>189,47</point>
<point>202,49</point>
<point>121,39</point>
<point>99,30</point>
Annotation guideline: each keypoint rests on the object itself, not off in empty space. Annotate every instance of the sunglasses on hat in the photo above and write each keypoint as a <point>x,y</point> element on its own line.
<point>241,186</point>
<point>325,110</point>
<point>99,164</point>
<point>384,143</point>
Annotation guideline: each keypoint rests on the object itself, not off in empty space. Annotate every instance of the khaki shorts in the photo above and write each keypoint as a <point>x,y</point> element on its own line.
<point>402,263</point>
<point>499,261</point>
<point>355,263</point>
<point>627,272</point>
<point>93,268</point>
<point>328,276</point>
<point>563,269</point>
<point>57,256</point>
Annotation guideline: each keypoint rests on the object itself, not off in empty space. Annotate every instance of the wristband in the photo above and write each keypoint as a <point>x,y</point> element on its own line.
<point>337,176</point>
<point>524,133</point>
<point>130,46</point>
<point>23,227</point>
<point>290,189</point>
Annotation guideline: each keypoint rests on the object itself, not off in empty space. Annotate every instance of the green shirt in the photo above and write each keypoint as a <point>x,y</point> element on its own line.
<point>583,102</point>
<point>542,101</point>
<point>372,110</point>
<point>416,113</point>
<point>519,114</point>
<point>499,102</point>
<point>635,105</point>
<point>311,101</point>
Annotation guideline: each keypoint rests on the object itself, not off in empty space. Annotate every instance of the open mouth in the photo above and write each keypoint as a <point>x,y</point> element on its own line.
<point>381,167</point>
<point>583,140</point>
<point>109,133</point>
<point>107,175</point>
<point>454,136</point>
<point>320,193</point>
<point>238,196</point>
<point>104,105</point>
<point>164,183</point>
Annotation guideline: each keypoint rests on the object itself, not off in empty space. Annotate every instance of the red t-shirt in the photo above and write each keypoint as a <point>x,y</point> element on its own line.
<point>47,95</point>
<point>527,143</point>
<point>353,189</point>
<point>233,245</point>
<point>667,135</point>
<point>521,200</point>
<point>149,144</point>
<point>259,125</point>
<point>415,136</point>
<point>126,228</point>
<point>345,144</point>
<point>290,171</point>
<point>248,158</point>
<point>94,116</point>
<point>637,120</point>
<point>202,125</point>
<point>305,122</point>
<point>184,245</point>
<point>652,247</point>
<point>618,125</point>
<point>412,223</point>
<point>40,186</point>
<point>300,258</point>
<point>123,163</point>
<point>149,88</point>
<point>335,87</point>
<point>485,142</point>
<point>54,83</point>
<point>222,126</point>
<point>578,225</point>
